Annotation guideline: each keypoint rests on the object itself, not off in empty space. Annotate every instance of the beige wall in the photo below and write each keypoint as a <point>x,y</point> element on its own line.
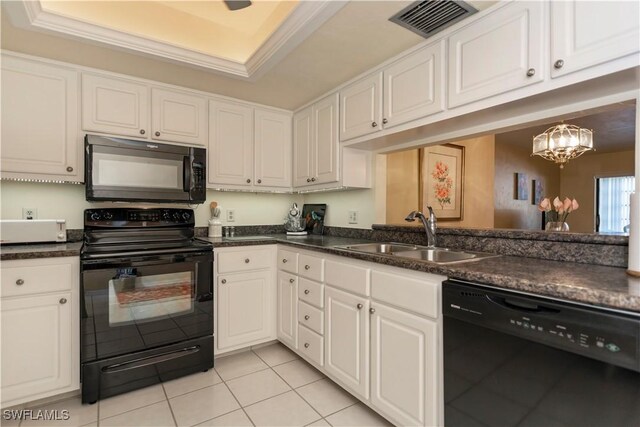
<point>513,157</point>
<point>577,180</point>
<point>403,189</point>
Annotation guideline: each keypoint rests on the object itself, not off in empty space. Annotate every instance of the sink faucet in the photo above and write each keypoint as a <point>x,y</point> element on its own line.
<point>430,226</point>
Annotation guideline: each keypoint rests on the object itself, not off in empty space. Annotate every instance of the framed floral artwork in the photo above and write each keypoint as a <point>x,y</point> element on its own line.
<point>441,180</point>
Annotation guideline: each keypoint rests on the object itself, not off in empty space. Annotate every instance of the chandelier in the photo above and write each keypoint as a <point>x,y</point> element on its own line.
<point>562,143</point>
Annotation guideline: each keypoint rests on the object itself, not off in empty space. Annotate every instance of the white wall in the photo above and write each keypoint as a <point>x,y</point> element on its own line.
<point>67,201</point>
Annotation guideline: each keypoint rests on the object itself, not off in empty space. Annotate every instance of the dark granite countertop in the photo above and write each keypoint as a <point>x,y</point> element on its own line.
<point>596,285</point>
<point>39,250</point>
<point>591,284</point>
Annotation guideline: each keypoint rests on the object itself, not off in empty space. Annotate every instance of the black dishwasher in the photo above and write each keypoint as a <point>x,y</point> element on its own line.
<point>512,359</point>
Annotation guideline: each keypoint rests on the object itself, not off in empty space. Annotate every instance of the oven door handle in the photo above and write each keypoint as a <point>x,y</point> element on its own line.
<point>150,360</point>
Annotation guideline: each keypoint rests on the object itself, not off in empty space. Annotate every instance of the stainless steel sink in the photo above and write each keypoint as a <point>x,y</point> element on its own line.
<point>420,253</point>
<point>381,248</point>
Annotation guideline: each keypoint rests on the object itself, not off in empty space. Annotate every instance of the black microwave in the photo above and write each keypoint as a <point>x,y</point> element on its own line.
<point>143,171</point>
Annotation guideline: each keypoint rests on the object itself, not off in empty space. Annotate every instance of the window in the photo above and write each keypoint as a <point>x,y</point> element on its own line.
<point>613,203</point>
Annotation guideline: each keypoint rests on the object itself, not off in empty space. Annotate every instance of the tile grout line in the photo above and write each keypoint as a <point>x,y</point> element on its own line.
<point>236,399</point>
<point>130,410</point>
<point>175,421</point>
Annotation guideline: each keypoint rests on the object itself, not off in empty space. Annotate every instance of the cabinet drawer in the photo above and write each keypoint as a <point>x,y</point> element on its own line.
<point>288,261</point>
<point>26,277</point>
<point>311,267</point>
<point>419,296</point>
<point>250,259</point>
<point>311,345</point>
<point>311,317</point>
<point>311,292</point>
<point>348,277</point>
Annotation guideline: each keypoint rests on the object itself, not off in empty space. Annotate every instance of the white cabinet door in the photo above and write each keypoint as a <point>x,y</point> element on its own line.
<point>413,86</point>
<point>230,143</point>
<point>272,149</point>
<point>347,339</point>
<point>361,107</point>
<point>303,161</point>
<point>37,345</point>
<point>39,119</point>
<point>586,33</point>
<point>115,106</point>
<point>178,116</point>
<point>404,366</point>
<point>288,309</point>
<point>244,309</point>
<point>498,53</point>
<point>327,145</point>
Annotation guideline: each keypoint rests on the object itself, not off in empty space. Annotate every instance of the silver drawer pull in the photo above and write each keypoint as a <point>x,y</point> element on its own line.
<point>223,281</point>
<point>246,260</point>
<point>306,291</point>
<point>359,306</point>
<point>19,282</point>
<point>307,267</point>
<point>306,345</point>
<point>306,317</point>
<point>372,310</point>
<point>284,260</point>
<point>292,280</point>
<point>63,300</point>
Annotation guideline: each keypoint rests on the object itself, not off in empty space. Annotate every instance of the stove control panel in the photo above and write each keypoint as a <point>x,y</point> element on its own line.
<point>138,217</point>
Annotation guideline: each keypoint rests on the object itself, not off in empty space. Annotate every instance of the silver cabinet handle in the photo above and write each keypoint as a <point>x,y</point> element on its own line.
<point>292,280</point>
<point>531,72</point>
<point>359,306</point>
<point>374,124</point>
<point>306,291</point>
<point>142,132</point>
<point>247,260</point>
<point>19,282</point>
<point>223,281</point>
<point>69,169</point>
<point>308,179</point>
<point>372,310</point>
<point>385,121</point>
<point>259,181</point>
<point>157,133</point>
<point>558,64</point>
<point>306,345</point>
<point>63,300</point>
<point>313,179</point>
<point>248,181</point>
<point>306,267</point>
<point>306,317</point>
<point>284,260</point>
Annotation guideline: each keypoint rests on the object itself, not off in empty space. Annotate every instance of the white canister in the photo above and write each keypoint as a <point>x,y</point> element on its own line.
<point>215,228</point>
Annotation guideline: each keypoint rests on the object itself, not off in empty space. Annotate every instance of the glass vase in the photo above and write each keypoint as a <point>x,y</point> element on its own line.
<point>556,226</point>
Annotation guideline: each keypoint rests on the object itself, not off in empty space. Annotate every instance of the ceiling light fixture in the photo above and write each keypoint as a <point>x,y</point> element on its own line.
<point>237,4</point>
<point>562,143</point>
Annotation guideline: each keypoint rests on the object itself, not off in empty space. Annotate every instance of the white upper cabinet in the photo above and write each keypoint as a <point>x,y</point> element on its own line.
<point>40,131</point>
<point>230,144</point>
<point>115,106</point>
<point>361,107</point>
<point>413,86</point>
<point>272,149</point>
<point>325,154</point>
<point>500,52</point>
<point>303,169</point>
<point>586,33</point>
<point>178,116</point>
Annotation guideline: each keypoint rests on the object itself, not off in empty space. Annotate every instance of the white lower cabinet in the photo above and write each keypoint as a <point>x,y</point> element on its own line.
<point>404,383</point>
<point>40,331</point>
<point>288,309</point>
<point>246,297</point>
<point>347,339</point>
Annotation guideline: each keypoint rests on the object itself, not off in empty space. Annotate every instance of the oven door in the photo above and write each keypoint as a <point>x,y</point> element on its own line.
<point>138,303</point>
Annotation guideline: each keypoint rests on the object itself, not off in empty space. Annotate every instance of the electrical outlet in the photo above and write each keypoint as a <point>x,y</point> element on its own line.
<point>353,217</point>
<point>231,215</point>
<point>29,213</point>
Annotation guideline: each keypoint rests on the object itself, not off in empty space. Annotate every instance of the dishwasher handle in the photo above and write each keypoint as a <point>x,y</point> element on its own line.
<point>522,306</point>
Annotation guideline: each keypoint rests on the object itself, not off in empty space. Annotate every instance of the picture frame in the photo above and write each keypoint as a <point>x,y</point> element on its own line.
<point>537,191</point>
<point>522,186</point>
<point>442,180</point>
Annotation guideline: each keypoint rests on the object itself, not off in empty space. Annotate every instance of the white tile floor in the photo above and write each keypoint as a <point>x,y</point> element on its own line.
<point>269,386</point>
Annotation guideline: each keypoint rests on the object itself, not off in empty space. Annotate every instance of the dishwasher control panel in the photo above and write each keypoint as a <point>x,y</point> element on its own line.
<point>599,334</point>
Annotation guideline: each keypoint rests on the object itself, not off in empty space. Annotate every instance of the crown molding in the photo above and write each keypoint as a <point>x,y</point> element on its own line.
<point>301,22</point>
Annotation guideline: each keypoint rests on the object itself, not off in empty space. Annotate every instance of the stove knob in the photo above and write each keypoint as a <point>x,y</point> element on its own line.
<point>186,216</point>
<point>176,216</point>
<point>166,215</point>
<point>108,216</point>
<point>95,216</point>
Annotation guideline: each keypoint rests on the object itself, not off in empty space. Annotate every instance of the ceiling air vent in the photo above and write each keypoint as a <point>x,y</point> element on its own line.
<point>432,16</point>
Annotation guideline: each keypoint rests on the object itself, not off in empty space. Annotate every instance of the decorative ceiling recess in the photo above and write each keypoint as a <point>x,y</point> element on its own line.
<point>243,43</point>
